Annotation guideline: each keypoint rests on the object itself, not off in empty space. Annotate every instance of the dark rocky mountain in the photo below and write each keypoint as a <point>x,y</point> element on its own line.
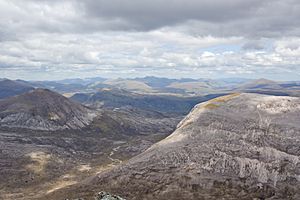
<point>116,98</point>
<point>44,110</point>
<point>240,146</point>
<point>10,88</point>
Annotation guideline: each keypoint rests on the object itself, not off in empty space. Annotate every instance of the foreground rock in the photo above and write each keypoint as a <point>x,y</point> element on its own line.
<point>43,109</point>
<point>242,146</point>
<point>104,196</point>
<point>107,196</point>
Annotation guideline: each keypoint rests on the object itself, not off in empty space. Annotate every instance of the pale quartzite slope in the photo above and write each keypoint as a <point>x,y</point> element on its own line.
<point>241,146</point>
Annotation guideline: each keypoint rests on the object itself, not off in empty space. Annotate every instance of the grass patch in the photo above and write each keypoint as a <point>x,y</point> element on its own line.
<point>215,103</point>
<point>39,161</point>
<point>225,98</point>
<point>211,106</point>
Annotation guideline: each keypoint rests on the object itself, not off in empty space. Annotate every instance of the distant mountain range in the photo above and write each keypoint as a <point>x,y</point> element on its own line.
<point>156,85</point>
<point>10,88</point>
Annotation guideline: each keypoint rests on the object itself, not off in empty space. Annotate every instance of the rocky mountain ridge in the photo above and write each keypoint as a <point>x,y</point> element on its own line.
<point>240,145</point>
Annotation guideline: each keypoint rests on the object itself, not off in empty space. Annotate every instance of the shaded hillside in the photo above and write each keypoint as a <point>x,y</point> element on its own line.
<point>10,88</point>
<point>241,145</point>
<point>131,121</point>
<point>45,110</point>
<point>161,103</point>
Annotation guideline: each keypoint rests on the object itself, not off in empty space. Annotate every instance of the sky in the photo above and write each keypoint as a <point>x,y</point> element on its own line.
<point>58,39</point>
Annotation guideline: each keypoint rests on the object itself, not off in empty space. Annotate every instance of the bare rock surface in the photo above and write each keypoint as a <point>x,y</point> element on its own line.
<point>106,196</point>
<point>240,146</point>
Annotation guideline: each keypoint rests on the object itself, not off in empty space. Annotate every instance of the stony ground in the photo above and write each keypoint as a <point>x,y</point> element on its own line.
<point>37,163</point>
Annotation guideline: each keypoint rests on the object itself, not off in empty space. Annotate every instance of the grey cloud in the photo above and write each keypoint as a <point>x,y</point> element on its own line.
<point>145,14</point>
<point>172,37</point>
<point>253,45</point>
<point>253,18</point>
<point>223,18</point>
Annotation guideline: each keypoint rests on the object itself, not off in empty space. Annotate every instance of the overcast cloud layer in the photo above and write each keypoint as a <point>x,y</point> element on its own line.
<point>58,39</point>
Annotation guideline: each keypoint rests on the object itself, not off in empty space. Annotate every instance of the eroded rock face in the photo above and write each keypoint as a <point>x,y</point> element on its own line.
<point>238,146</point>
<point>43,109</point>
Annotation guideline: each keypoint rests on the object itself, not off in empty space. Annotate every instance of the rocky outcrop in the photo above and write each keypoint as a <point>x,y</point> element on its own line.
<point>103,196</point>
<point>106,196</point>
<point>242,146</point>
<point>43,109</point>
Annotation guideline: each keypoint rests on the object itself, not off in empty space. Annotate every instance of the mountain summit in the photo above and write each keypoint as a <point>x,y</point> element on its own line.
<point>43,109</point>
<point>240,145</point>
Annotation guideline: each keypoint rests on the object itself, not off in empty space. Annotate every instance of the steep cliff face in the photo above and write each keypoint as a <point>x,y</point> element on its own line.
<point>238,146</point>
<point>43,110</point>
